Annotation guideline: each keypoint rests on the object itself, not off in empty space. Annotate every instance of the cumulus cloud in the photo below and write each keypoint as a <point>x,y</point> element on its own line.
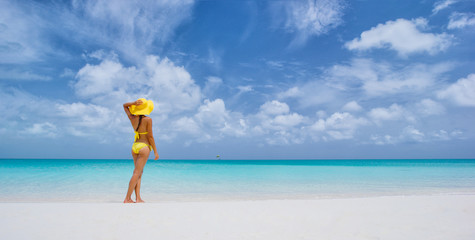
<point>161,80</point>
<point>461,20</point>
<point>339,126</point>
<point>212,113</point>
<point>104,78</point>
<point>403,36</point>
<point>394,112</point>
<point>307,18</point>
<point>461,92</point>
<point>211,122</point>
<point>440,5</point>
<point>172,85</point>
<point>408,134</point>
<point>275,115</point>
<point>274,108</point>
<point>275,120</point>
<point>352,106</point>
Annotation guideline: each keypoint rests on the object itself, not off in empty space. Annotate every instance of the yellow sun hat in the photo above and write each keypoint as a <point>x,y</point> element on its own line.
<point>143,109</point>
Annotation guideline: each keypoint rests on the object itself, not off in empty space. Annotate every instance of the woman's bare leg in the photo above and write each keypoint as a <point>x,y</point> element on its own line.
<point>138,170</point>
<point>137,187</point>
<point>138,199</point>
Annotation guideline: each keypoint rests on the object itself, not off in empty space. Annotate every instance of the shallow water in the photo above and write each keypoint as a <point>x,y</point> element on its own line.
<point>67,180</point>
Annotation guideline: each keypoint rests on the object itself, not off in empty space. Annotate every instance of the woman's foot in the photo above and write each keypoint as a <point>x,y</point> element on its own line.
<point>128,201</point>
<point>140,201</point>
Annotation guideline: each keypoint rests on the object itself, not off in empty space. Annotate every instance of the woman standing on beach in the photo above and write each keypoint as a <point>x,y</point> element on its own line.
<point>143,144</point>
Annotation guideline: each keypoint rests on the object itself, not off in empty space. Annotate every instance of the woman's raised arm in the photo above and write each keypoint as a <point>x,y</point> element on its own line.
<point>127,105</point>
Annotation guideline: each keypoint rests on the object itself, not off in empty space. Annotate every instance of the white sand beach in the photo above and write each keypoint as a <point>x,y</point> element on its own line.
<point>390,217</point>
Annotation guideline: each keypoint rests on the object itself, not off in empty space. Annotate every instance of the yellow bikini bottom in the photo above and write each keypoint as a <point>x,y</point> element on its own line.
<point>139,145</point>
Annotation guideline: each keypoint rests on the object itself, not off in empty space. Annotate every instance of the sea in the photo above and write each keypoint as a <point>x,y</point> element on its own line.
<point>81,180</point>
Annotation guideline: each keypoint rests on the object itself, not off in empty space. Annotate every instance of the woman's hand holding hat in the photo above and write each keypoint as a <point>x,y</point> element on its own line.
<point>141,107</point>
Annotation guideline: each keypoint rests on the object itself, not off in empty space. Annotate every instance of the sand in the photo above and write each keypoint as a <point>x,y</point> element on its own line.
<point>389,217</point>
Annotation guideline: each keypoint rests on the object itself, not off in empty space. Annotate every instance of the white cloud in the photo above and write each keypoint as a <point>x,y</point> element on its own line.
<point>45,129</point>
<point>86,115</point>
<point>104,78</point>
<point>214,118</point>
<point>403,36</point>
<point>338,126</point>
<point>245,89</point>
<point>291,92</point>
<point>461,20</point>
<point>381,78</point>
<point>411,134</point>
<point>307,18</point>
<point>344,121</point>
<point>461,92</point>
<point>20,34</point>
<point>171,85</point>
<point>282,127</point>
<point>352,106</point>
<point>285,138</point>
<point>274,108</point>
<point>429,107</point>
<point>321,114</point>
<point>440,5</point>
<point>109,82</point>
<point>132,27</point>
<point>289,120</point>
<point>282,123</point>
<point>367,79</point>
<point>28,107</point>
<point>311,93</point>
<point>211,122</point>
<point>187,125</point>
<point>394,112</point>
<point>212,113</point>
<point>441,135</point>
<point>382,140</point>
<point>28,29</point>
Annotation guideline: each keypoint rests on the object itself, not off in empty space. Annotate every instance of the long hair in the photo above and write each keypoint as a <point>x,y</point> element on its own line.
<point>140,120</point>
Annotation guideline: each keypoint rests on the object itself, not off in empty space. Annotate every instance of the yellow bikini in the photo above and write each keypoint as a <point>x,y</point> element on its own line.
<point>139,145</point>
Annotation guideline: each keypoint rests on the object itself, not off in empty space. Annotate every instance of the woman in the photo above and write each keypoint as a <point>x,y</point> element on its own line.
<point>143,143</point>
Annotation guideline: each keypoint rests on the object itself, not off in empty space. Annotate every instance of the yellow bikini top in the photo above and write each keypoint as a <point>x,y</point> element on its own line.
<point>137,135</point>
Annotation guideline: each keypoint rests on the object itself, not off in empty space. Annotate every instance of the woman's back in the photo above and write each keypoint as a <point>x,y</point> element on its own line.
<point>142,123</point>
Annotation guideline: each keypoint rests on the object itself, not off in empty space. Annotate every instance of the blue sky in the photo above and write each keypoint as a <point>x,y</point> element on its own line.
<point>242,79</point>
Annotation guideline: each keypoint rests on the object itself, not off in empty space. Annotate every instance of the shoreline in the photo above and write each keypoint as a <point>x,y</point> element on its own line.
<point>446,216</point>
<point>187,198</point>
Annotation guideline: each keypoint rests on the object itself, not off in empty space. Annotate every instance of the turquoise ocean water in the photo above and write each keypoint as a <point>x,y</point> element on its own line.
<point>66,180</point>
